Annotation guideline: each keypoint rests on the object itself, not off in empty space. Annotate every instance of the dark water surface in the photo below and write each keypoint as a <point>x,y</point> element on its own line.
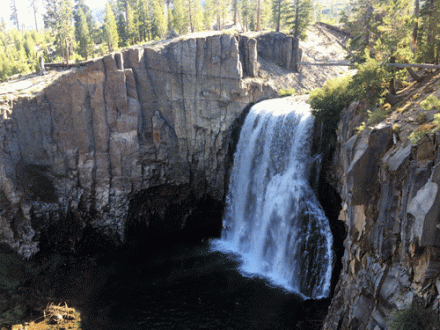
<point>186,286</point>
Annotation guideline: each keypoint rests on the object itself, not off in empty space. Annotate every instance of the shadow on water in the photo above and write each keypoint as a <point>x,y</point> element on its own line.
<point>186,286</point>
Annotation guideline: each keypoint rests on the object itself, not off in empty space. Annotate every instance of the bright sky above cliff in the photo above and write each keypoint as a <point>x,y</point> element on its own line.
<point>26,16</point>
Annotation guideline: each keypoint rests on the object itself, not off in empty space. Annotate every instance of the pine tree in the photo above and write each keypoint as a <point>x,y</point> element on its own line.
<point>194,15</point>
<point>301,14</point>
<point>87,13</point>
<point>265,14</point>
<point>110,29</point>
<point>258,16</point>
<point>144,25</point>
<point>122,29</point>
<point>179,18</point>
<point>131,27</point>
<point>34,6</point>
<point>235,11</point>
<point>429,32</point>
<point>158,20</point>
<point>361,21</point>
<point>279,9</point>
<point>14,14</point>
<point>393,38</point>
<point>29,46</point>
<point>245,13</point>
<point>198,16</point>
<point>83,35</point>
<point>221,12</point>
<point>208,14</point>
<point>58,18</point>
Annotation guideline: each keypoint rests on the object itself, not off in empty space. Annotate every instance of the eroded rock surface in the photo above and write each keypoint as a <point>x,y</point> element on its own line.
<point>85,147</point>
<point>390,206</point>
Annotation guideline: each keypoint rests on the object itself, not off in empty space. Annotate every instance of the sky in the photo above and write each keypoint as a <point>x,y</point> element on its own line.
<point>26,15</point>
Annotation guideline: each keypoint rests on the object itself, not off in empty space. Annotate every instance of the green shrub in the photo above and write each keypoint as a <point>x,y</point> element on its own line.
<point>361,128</point>
<point>287,92</point>
<point>421,118</point>
<point>376,116</point>
<point>436,121</point>
<point>430,102</point>
<point>369,83</point>
<point>414,317</point>
<point>327,102</point>
<point>420,132</point>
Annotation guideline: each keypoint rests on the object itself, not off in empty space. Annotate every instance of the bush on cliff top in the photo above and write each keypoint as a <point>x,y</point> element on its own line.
<point>369,83</point>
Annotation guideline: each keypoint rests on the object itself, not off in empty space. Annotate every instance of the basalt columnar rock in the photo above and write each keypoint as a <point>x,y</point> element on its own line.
<point>88,149</point>
<point>391,207</point>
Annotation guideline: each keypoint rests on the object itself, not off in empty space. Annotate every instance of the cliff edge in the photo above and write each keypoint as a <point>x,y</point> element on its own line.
<point>389,185</point>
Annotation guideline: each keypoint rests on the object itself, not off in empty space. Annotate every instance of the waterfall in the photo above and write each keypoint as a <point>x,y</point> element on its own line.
<point>272,218</point>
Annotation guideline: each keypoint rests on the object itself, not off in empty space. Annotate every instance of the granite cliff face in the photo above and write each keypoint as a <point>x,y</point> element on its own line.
<point>125,138</point>
<point>391,207</point>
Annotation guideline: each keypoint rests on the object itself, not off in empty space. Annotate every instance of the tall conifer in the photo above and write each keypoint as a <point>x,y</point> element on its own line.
<point>110,29</point>
<point>179,20</point>
<point>14,14</point>
<point>83,36</point>
<point>158,20</point>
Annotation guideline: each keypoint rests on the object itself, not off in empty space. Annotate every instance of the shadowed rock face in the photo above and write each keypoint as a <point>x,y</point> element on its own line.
<point>91,142</point>
<point>391,209</point>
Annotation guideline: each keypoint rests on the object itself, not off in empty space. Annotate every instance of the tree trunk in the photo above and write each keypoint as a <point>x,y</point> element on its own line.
<point>391,88</point>
<point>41,63</point>
<point>34,7</point>
<point>219,27</point>
<point>191,25</point>
<point>235,7</point>
<point>168,15</point>
<point>413,74</point>
<point>296,19</point>
<point>430,38</point>
<point>278,15</point>
<point>257,28</point>
<point>416,27</point>
<point>392,99</point>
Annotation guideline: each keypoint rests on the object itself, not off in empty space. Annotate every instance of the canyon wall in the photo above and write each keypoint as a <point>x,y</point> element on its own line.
<point>128,136</point>
<point>391,208</point>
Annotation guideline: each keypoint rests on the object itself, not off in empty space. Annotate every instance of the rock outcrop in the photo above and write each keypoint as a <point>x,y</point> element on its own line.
<point>86,149</point>
<point>391,207</point>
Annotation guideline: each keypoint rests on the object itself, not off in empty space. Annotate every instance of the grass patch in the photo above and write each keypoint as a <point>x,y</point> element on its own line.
<point>420,132</point>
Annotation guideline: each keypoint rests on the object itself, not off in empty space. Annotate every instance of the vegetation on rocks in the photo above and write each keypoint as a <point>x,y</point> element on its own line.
<point>414,317</point>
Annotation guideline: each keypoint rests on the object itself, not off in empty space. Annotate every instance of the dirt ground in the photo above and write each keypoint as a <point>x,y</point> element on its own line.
<point>321,45</point>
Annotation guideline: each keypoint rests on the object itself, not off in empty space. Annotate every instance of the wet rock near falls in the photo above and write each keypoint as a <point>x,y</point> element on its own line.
<point>89,144</point>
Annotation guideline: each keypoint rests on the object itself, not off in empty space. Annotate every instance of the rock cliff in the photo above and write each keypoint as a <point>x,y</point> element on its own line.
<point>391,207</point>
<point>124,138</point>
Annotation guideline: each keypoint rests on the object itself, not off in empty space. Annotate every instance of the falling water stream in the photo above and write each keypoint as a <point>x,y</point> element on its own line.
<point>273,219</point>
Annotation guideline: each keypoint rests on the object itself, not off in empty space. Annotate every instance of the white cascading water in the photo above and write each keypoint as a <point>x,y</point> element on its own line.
<point>272,218</point>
